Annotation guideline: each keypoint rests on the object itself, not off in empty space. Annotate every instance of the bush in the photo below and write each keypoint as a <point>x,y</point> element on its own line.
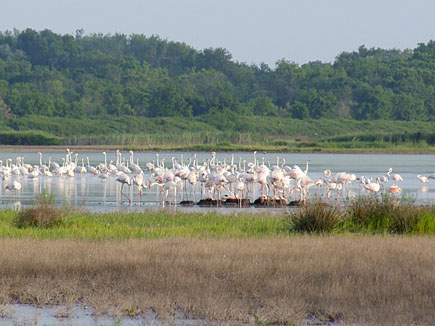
<point>368,212</point>
<point>315,217</point>
<point>43,215</point>
<point>389,214</point>
<point>28,138</point>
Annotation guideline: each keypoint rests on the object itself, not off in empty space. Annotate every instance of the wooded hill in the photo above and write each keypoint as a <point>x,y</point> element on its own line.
<point>118,76</point>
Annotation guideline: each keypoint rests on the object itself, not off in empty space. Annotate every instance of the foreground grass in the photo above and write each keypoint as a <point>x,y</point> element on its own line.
<point>363,279</point>
<point>254,268</point>
<point>365,215</point>
<point>149,225</point>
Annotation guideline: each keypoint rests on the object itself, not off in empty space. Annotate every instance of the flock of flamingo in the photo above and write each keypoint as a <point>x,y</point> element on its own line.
<point>220,181</point>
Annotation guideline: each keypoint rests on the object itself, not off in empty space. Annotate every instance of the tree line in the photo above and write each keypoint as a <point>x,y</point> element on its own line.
<point>48,74</point>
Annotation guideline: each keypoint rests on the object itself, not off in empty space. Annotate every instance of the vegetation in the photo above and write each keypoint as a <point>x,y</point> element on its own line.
<point>252,268</point>
<point>317,217</point>
<point>363,215</point>
<point>44,215</point>
<point>370,214</point>
<point>356,280</point>
<point>75,89</point>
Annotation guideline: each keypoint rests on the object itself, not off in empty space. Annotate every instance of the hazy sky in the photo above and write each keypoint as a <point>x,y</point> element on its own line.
<point>253,31</point>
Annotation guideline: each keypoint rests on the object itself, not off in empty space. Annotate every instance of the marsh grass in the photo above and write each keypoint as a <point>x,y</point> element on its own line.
<point>44,215</point>
<point>354,280</point>
<point>195,133</point>
<point>249,268</point>
<point>390,215</point>
<point>364,215</point>
<point>148,224</point>
<point>370,214</point>
<point>316,217</point>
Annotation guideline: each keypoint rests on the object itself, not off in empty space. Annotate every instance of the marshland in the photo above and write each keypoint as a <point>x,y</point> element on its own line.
<point>333,239</point>
<point>370,261</point>
<point>125,250</point>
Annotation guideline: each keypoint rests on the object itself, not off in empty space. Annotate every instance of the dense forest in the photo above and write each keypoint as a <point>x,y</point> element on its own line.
<point>98,76</point>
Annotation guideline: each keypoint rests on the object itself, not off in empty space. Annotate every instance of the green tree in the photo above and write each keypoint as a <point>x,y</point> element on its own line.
<point>300,111</point>
<point>263,106</point>
<point>372,103</point>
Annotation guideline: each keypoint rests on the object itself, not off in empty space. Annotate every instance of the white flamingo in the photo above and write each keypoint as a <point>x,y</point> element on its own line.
<point>396,177</point>
<point>422,178</point>
<point>124,180</point>
<point>373,187</point>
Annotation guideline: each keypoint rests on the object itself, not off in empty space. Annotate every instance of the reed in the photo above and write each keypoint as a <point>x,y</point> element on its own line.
<point>28,138</point>
<point>351,280</point>
<point>364,215</point>
<point>316,217</point>
<point>274,133</point>
<point>389,215</point>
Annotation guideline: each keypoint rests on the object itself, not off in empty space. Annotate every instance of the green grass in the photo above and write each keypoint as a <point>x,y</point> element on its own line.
<point>249,133</point>
<point>8,137</point>
<point>365,215</point>
<point>148,225</point>
<point>293,148</point>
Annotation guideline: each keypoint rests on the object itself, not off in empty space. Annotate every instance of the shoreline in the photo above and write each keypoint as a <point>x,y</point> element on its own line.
<point>84,148</point>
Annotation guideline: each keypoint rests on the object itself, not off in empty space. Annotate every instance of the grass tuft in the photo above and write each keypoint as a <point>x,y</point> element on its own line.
<point>387,214</point>
<point>317,217</point>
<point>44,215</point>
<point>41,216</point>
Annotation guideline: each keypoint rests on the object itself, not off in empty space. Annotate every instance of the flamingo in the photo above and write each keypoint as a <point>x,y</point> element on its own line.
<point>339,189</point>
<point>103,166</point>
<point>240,187</point>
<point>124,179</point>
<point>373,186</point>
<point>168,187</point>
<point>395,177</point>
<point>139,182</point>
<point>422,179</point>
<point>92,170</point>
<point>319,182</point>
<point>13,185</point>
<point>192,179</point>
<point>81,169</point>
<point>136,168</point>
<point>306,183</point>
<point>330,186</point>
<point>395,189</point>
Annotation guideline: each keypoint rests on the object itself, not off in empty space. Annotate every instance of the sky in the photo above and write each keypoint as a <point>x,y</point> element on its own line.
<point>253,31</point>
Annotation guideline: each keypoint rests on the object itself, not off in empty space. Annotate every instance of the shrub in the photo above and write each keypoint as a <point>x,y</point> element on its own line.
<point>28,138</point>
<point>369,212</point>
<point>43,215</point>
<point>315,217</point>
<point>389,214</point>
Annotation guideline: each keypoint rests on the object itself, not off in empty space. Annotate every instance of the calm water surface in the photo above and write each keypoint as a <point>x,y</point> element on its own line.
<point>93,194</point>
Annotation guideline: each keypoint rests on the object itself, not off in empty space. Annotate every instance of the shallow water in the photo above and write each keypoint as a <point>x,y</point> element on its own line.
<point>25,314</point>
<point>22,314</point>
<point>93,194</point>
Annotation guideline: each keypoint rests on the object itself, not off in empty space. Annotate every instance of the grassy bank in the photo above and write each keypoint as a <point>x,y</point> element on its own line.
<point>249,133</point>
<point>365,215</point>
<point>149,225</point>
<point>363,280</point>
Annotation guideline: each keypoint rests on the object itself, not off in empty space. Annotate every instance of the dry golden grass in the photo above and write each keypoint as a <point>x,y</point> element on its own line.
<point>369,280</point>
